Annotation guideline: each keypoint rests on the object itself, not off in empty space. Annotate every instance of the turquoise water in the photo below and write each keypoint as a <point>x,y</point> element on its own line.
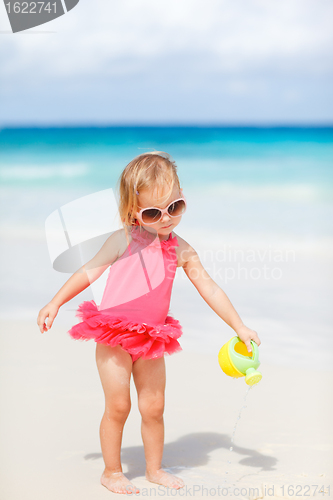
<point>257,179</point>
<point>94,157</point>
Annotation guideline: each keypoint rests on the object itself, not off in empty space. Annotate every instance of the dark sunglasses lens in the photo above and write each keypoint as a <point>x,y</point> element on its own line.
<point>150,216</point>
<point>177,208</point>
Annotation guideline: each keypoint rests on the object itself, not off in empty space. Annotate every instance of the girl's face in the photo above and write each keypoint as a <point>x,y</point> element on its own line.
<point>166,224</point>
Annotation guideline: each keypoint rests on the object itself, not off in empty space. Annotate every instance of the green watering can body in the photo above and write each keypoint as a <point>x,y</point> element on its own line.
<point>236,361</point>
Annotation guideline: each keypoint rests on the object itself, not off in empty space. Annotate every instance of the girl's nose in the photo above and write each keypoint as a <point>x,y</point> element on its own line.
<point>166,217</point>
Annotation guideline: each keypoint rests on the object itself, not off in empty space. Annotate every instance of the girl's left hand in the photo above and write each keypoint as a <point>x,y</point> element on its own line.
<point>246,335</point>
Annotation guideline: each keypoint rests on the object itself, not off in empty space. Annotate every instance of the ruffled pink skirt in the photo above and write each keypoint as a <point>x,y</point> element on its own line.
<point>138,339</point>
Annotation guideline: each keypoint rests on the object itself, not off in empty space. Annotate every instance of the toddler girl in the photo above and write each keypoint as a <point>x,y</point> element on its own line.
<point>131,327</point>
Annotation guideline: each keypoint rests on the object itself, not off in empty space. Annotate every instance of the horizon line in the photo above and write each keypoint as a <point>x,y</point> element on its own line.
<point>169,125</point>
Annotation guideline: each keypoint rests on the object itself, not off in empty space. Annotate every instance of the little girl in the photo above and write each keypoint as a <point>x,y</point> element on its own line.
<point>131,326</point>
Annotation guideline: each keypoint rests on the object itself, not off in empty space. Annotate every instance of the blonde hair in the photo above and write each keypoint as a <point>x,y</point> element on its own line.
<point>150,171</point>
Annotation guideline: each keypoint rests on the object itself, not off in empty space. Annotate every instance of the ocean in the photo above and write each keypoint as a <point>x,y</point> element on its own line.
<point>260,206</point>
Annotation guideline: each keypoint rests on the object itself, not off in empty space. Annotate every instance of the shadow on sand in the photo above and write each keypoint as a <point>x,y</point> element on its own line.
<point>190,451</point>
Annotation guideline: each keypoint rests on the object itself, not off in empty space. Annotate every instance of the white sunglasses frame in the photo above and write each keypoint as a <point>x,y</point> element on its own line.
<point>162,210</point>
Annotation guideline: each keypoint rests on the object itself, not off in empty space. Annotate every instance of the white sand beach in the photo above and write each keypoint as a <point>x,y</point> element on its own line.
<point>52,403</point>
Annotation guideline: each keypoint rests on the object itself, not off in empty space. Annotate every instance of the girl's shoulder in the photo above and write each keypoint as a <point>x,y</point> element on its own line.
<point>183,251</point>
<point>123,240</point>
<point>110,250</point>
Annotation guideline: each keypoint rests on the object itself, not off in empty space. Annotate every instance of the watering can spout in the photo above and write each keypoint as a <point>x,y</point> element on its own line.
<point>252,376</point>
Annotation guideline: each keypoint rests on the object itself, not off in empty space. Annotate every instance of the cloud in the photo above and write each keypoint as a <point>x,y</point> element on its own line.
<point>236,45</point>
<point>236,36</point>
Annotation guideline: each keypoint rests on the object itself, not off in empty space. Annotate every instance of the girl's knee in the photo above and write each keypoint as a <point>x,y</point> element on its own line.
<point>152,408</point>
<point>118,409</point>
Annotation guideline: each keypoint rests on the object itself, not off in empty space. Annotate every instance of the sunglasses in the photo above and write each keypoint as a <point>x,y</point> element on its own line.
<point>151,215</point>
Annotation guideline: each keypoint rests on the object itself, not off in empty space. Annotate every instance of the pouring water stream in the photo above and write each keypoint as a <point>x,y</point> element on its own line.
<point>235,426</point>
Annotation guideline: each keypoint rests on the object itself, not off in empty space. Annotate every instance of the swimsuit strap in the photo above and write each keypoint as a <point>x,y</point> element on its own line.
<point>146,239</point>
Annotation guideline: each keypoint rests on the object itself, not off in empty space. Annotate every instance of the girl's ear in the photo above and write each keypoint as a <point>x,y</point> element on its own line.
<point>135,221</point>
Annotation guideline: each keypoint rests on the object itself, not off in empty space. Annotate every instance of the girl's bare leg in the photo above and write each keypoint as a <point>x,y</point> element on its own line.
<point>149,379</point>
<point>114,367</point>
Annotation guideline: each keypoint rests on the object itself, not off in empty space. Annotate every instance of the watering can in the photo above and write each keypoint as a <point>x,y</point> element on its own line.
<point>236,361</point>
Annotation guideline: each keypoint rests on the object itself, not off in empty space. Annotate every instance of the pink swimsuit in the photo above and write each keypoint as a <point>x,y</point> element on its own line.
<point>134,309</point>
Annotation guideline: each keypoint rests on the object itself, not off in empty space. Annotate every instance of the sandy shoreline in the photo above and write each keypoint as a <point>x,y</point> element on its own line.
<point>52,403</point>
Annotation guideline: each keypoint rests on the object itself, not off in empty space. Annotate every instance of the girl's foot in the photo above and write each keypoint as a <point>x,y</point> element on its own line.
<point>165,479</point>
<point>118,483</point>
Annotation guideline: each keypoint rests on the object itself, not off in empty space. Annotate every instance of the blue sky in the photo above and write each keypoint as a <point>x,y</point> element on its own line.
<point>175,61</point>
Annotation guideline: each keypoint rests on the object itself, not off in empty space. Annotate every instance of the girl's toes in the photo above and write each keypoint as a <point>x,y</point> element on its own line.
<point>165,479</point>
<point>131,489</point>
<point>178,484</point>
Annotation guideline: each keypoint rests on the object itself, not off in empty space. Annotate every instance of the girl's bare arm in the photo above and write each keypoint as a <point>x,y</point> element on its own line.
<point>213,294</point>
<point>82,278</point>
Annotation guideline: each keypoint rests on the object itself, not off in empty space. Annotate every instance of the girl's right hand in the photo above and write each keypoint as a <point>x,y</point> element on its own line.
<point>49,311</point>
